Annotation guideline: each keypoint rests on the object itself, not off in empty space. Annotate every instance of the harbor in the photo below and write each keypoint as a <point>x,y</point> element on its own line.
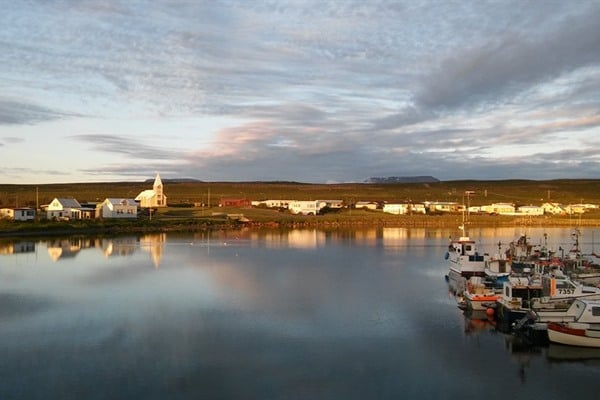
<point>529,290</point>
<point>303,313</point>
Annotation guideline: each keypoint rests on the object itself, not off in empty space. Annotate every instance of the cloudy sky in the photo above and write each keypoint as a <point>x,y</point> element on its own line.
<point>311,91</point>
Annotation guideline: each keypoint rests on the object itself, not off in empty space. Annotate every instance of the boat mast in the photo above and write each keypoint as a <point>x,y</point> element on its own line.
<point>463,227</point>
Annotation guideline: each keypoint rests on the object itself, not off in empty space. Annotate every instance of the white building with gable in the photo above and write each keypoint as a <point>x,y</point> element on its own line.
<point>153,198</point>
<point>117,208</point>
<point>63,209</point>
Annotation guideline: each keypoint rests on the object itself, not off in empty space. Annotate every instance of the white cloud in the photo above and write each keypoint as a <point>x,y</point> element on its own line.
<point>309,91</point>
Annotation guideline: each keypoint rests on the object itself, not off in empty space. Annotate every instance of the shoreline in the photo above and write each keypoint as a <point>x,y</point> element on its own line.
<point>159,225</point>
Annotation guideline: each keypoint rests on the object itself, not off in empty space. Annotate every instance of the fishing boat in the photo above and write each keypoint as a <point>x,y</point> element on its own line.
<point>480,293</point>
<point>464,259</point>
<point>584,330</point>
<point>539,298</point>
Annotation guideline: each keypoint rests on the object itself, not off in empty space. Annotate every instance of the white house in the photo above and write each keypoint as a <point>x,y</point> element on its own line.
<point>404,208</point>
<point>63,208</point>
<point>443,206</point>
<point>155,197</point>
<point>305,207</point>
<point>418,208</point>
<point>576,208</point>
<point>335,204</point>
<point>18,214</point>
<point>395,208</point>
<point>117,208</point>
<point>499,208</point>
<point>369,205</point>
<point>271,203</point>
<point>553,208</point>
<point>530,210</point>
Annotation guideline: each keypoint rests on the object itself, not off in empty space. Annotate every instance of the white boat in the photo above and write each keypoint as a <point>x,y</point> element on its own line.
<point>541,299</point>
<point>584,330</point>
<point>464,261</point>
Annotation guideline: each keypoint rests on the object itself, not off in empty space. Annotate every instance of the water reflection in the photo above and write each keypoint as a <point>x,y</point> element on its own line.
<point>65,248</point>
<point>154,244</point>
<point>350,314</point>
<point>124,246</point>
<point>562,353</point>
<point>16,247</point>
<point>59,249</point>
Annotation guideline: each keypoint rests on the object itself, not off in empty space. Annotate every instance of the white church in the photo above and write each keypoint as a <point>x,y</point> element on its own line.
<point>153,198</point>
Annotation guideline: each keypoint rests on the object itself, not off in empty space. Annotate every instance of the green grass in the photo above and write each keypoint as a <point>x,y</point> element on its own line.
<point>183,216</point>
<point>520,192</point>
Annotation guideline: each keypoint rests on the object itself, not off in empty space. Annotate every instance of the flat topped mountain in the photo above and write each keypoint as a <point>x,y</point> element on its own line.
<point>403,179</point>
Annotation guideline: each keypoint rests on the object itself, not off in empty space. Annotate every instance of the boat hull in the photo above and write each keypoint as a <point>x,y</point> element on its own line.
<point>571,336</point>
<point>480,302</point>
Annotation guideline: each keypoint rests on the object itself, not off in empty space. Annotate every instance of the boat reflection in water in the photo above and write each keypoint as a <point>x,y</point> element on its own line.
<point>560,352</point>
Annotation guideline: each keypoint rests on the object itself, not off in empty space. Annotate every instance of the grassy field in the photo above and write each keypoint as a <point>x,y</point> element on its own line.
<point>181,215</point>
<point>519,192</point>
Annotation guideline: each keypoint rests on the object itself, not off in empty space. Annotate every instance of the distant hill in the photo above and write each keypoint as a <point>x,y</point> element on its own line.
<point>403,179</point>
<point>180,180</point>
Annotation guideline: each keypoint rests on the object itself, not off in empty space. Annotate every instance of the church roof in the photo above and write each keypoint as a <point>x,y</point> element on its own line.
<point>146,194</point>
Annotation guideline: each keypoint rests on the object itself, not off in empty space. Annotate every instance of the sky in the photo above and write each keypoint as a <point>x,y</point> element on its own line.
<point>306,90</point>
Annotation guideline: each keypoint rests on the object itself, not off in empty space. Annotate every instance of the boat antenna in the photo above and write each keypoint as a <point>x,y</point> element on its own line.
<point>463,227</point>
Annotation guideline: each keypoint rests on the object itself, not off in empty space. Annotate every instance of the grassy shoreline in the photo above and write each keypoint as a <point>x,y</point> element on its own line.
<point>193,220</point>
<point>183,215</point>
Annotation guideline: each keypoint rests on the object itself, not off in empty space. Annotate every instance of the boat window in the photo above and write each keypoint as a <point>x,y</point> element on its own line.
<point>564,285</point>
<point>468,247</point>
<point>596,311</point>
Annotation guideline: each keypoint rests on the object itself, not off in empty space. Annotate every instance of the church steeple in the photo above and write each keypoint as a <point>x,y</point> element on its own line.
<point>157,182</point>
<point>158,189</point>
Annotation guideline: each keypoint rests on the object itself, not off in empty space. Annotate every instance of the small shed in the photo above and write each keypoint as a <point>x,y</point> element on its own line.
<point>235,202</point>
<point>18,213</point>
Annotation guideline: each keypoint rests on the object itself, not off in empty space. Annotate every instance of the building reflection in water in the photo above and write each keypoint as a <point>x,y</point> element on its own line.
<point>10,248</point>
<point>59,249</point>
<point>154,244</point>
<point>63,248</point>
<point>118,246</point>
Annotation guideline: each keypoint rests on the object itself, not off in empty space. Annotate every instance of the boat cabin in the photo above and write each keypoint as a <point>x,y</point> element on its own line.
<point>519,292</point>
<point>465,247</point>
<point>586,311</point>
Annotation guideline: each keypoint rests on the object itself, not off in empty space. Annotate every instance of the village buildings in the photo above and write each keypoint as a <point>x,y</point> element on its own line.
<point>65,208</point>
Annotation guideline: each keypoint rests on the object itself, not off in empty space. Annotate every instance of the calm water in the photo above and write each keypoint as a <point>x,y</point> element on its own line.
<point>302,314</point>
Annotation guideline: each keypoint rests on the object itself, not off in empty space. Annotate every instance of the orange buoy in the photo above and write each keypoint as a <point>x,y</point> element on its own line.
<point>489,312</point>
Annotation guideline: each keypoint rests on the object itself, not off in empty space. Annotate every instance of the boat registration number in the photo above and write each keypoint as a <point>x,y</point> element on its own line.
<point>566,291</point>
